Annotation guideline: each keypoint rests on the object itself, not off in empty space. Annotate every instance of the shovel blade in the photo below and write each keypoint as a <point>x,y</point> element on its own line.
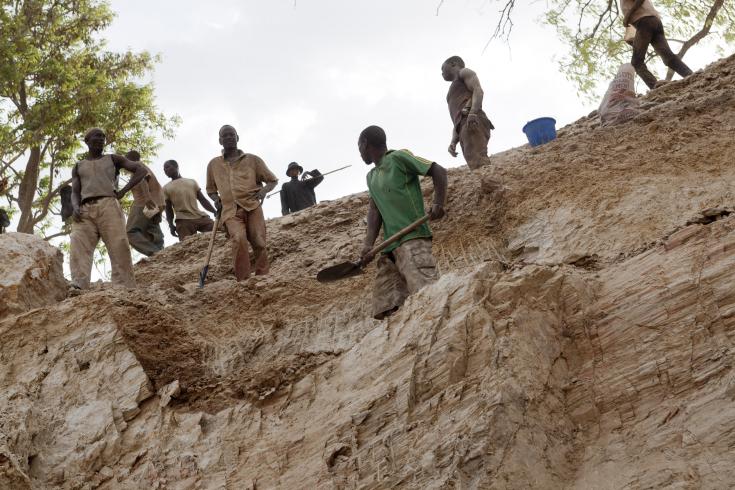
<point>339,271</point>
<point>203,276</point>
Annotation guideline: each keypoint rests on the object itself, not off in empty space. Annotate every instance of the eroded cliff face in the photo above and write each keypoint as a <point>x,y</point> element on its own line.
<point>580,336</point>
<point>31,274</point>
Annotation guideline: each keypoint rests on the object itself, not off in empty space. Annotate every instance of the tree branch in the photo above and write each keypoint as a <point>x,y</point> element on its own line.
<point>47,202</point>
<point>441,2</point>
<point>703,32</point>
<point>64,231</point>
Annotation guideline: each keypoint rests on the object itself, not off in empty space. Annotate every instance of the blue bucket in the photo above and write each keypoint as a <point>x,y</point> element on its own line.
<point>540,131</point>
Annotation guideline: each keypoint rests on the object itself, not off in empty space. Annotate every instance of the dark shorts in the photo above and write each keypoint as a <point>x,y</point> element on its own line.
<point>188,227</point>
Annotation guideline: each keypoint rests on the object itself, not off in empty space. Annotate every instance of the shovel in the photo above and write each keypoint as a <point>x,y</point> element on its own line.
<point>351,269</point>
<point>205,269</point>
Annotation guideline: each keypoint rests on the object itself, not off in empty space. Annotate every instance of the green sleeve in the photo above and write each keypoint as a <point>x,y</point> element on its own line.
<point>413,164</point>
<point>367,178</point>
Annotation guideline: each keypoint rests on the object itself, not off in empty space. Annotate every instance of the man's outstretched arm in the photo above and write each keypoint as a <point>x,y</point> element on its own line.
<point>316,178</point>
<point>453,144</point>
<point>439,177</point>
<point>471,81</point>
<point>137,169</point>
<point>205,202</point>
<point>284,205</point>
<point>374,222</point>
<point>76,194</point>
<point>170,218</point>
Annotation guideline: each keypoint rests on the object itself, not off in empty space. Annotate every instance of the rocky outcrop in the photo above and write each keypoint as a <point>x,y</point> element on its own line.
<point>31,274</point>
<point>69,390</point>
<point>580,336</point>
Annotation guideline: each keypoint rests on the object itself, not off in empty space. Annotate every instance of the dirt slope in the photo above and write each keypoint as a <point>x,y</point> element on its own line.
<point>581,336</point>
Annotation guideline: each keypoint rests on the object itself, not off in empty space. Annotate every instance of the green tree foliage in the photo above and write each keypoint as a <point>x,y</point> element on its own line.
<point>56,80</point>
<point>593,32</point>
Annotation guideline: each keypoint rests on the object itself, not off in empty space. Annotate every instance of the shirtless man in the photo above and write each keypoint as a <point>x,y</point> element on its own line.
<point>470,125</point>
<point>97,212</point>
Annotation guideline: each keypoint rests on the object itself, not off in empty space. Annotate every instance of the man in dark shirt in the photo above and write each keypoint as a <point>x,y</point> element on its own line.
<point>299,194</point>
<point>4,220</point>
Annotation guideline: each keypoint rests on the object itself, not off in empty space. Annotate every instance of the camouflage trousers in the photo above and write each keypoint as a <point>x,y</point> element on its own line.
<point>401,273</point>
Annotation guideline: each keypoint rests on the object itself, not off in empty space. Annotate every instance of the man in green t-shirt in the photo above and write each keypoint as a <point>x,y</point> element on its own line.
<point>395,202</point>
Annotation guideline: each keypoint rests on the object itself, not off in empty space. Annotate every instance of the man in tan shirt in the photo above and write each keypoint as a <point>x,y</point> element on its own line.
<point>144,219</point>
<point>181,198</point>
<point>238,182</point>
<point>649,31</point>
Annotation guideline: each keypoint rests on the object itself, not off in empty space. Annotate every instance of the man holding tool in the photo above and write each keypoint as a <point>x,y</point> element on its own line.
<point>238,182</point>
<point>299,194</point>
<point>396,203</point>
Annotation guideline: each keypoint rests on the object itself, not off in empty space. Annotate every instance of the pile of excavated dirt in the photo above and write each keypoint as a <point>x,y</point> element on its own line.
<point>580,336</point>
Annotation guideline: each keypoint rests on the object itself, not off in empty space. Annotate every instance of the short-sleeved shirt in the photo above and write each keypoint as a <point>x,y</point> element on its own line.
<point>395,188</point>
<point>154,188</point>
<point>183,196</point>
<point>645,10</point>
<point>237,183</point>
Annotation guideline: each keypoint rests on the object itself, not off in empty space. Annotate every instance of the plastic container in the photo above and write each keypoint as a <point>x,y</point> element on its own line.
<point>540,131</point>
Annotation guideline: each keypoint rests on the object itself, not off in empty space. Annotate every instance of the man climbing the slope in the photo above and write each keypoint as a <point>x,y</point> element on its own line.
<point>238,182</point>
<point>299,194</point>
<point>144,220</point>
<point>97,214</point>
<point>470,125</point>
<point>649,30</point>
<point>395,202</point>
<point>181,198</point>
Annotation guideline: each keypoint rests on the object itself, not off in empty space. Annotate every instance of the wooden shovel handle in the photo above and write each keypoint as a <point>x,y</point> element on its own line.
<point>211,240</point>
<point>400,234</point>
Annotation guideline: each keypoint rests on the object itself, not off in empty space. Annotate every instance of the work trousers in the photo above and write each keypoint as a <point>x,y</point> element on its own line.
<point>473,139</point>
<point>188,227</point>
<point>144,234</point>
<point>248,226</point>
<point>100,218</point>
<point>401,273</point>
<point>650,31</point>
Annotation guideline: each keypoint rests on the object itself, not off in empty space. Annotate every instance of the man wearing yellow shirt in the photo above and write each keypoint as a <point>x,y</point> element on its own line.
<point>238,182</point>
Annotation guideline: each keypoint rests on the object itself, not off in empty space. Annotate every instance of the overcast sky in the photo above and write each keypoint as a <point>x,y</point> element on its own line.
<point>300,79</point>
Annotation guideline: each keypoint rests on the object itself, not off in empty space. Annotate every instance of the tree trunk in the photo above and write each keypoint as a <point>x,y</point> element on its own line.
<point>27,191</point>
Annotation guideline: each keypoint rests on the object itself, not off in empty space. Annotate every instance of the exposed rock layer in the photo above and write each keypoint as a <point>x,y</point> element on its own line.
<point>31,274</point>
<point>580,336</point>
